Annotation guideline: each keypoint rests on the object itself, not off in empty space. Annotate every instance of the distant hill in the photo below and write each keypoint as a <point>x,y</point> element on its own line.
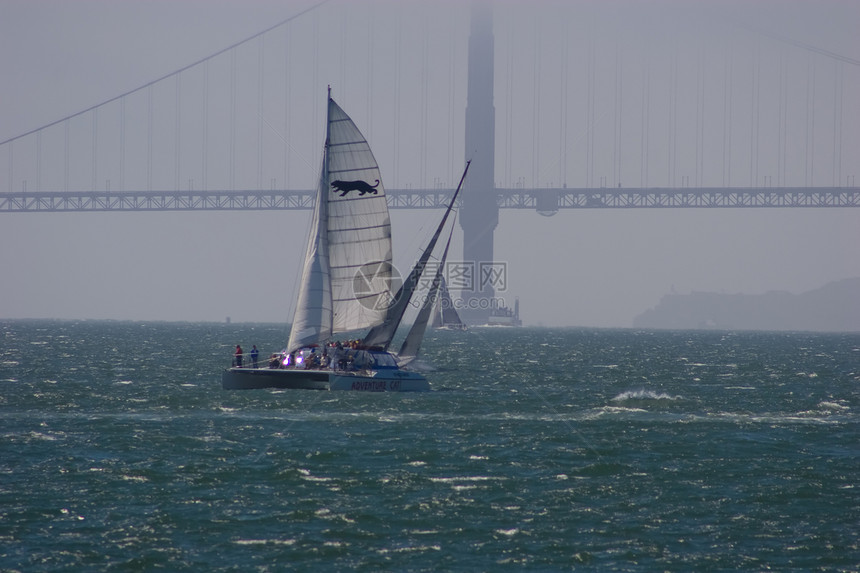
<point>835,307</point>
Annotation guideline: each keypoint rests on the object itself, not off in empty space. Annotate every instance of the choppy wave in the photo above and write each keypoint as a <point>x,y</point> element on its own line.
<point>118,454</point>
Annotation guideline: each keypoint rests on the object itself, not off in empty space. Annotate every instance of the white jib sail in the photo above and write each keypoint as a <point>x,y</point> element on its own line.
<point>346,283</point>
<point>312,318</point>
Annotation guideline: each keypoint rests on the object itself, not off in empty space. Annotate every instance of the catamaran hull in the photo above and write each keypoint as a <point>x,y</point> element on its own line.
<point>377,381</point>
<point>256,378</point>
<point>381,381</point>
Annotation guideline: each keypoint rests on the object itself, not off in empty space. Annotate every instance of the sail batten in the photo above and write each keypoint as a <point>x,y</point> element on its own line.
<point>345,143</point>
<point>356,230</point>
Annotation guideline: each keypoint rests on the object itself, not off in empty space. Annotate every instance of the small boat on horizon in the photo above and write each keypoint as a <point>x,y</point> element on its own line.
<point>445,316</point>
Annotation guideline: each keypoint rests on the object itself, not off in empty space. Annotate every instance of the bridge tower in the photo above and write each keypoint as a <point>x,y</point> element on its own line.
<point>479,212</point>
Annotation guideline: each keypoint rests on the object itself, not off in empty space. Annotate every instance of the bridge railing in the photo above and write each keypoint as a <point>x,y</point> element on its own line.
<point>546,201</point>
<point>550,200</point>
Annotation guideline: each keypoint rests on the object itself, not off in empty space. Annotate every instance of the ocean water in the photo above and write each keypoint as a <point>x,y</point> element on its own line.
<point>538,450</point>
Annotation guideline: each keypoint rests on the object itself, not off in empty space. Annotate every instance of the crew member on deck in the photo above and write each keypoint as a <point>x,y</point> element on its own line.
<point>238,356</point>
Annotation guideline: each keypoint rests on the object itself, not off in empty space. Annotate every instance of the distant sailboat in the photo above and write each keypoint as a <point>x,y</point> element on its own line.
<point>445,316</point>
<point>346,283</point>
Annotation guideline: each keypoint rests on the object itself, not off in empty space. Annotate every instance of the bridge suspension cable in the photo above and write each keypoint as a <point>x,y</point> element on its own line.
<point>170,75</point>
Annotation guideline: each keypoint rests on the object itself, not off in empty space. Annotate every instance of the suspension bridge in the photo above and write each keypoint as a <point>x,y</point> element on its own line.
<point>554,116</point>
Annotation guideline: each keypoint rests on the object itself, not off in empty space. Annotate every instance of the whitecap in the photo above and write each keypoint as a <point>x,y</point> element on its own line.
<point>832,406</point>
<point>264,541</point>
<point>463,487</point>
<point>410,549</point>
<point>617,409</point>
<point>644,395</point>
<point>423,532</point>
<point>464,478</point>
<point>41,436</point>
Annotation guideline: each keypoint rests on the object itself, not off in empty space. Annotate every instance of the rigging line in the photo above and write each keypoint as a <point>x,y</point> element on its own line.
<point>95,147</point>
<point>643,138</point>
<point>232,166</point>
<point>396,123</point>
<point>422,170</point>
<point>797,43</point>
<point>287,100</point>
<point>260,104</point>
<point>177,134</point>
<point>777,37</point>
<point>727,166</point>
<point>615,120</point>
<point>452,61</point>
<point>205,155</point>
<point>754,116</point>
<point>509,96</point>
<point>370,83</point>
<point>65,159</point>
<point>812,129</point>
<point>287,143</point>
<point>148,138</point>
<point>583,136</point>
<point>38,161</point>
<point>536,106</point>
<point>837,120</point>
<point>783,118</point>
<point>122,146</point>
<point>562,175</point>
<point>171,74</point>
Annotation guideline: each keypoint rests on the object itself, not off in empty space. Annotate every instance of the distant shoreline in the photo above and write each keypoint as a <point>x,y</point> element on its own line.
<point>835,307</point>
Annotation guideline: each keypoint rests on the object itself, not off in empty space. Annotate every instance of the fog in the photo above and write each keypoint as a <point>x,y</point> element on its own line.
<point>587,94</point>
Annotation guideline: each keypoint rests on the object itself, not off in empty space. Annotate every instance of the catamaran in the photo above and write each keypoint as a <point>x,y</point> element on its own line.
<point>346,283</point>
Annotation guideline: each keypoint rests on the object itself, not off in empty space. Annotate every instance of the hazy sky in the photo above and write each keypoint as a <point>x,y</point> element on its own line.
<point>593,93</point>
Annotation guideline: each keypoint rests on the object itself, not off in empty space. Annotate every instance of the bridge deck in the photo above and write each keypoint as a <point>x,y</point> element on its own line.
<point>546,200</point>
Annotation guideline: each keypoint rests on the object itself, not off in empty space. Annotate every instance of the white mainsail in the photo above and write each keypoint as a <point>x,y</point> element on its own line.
<point>346,280</point>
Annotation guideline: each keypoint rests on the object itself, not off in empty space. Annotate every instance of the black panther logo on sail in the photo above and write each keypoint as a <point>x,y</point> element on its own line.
<point>344,187</point>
